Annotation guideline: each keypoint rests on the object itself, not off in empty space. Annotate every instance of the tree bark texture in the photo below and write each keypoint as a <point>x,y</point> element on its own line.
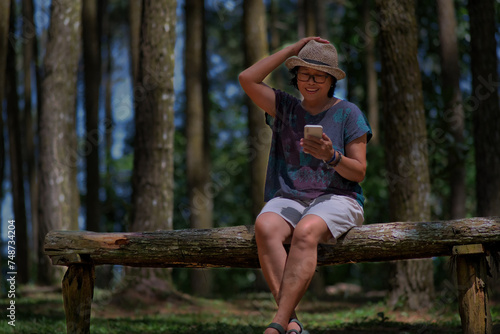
<point>406,142</point>
<point>235,246</point>
<point>152,178</point>
<point>92,76</point>
<point>485,105</point>
<point>259,137</point>
<point>404,115</point>
<point>59,198</point>
<point>154,120</point>
<point>454,116</point>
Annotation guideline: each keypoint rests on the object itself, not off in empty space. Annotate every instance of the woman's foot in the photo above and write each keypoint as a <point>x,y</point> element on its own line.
<point>295,327</point>
<point>275,328</point>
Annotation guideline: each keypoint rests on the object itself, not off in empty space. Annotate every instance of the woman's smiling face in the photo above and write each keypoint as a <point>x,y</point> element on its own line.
<point>312,83</point>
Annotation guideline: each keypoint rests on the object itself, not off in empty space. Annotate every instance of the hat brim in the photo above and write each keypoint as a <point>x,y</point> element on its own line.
<point>296,61</point>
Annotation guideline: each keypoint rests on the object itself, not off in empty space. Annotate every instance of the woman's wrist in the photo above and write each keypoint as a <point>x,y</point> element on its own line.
<point>332,159</point>
<point>337,161</point>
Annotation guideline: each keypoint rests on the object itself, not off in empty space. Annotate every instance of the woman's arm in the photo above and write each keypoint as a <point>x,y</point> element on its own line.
<point>251,79</point>
<point>353,164</point>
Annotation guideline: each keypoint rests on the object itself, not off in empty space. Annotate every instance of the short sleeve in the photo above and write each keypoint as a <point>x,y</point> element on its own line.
<point>356,125</point>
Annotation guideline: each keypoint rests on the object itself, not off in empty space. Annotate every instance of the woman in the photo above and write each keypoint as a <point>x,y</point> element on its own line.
<point>312,184</point>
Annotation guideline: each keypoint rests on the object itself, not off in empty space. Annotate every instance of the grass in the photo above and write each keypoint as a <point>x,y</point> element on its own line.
<point>248,314</point>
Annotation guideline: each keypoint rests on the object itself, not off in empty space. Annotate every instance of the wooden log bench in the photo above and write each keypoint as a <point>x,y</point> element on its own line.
<point>469,240</point>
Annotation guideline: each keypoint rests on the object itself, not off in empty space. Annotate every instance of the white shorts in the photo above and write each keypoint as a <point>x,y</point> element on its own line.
<point>340,213</point>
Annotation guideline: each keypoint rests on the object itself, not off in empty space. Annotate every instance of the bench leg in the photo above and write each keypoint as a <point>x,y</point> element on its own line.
<point>78,291</point>
<point>472,294</point>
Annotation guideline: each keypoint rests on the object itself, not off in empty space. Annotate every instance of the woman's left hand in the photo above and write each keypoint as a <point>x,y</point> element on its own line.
<point>319,148</point>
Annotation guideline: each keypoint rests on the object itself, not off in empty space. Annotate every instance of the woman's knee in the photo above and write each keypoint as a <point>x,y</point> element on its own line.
<point>310,232</point>
<point>270,225</point>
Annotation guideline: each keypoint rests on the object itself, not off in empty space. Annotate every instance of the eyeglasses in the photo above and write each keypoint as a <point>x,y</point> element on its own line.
<point>304,77</point>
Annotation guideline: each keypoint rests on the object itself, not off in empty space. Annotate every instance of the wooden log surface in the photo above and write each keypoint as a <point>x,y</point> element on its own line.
<point>235,246</point>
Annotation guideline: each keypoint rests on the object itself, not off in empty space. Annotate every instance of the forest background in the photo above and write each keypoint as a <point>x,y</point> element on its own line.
<point>210,144</point>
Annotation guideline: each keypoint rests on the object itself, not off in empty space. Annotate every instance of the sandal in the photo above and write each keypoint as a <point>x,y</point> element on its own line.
<point>278,327</point>
<point>302,330</point>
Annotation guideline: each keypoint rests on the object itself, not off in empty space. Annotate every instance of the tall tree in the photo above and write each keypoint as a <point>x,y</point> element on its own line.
<point>59,200</point>
<point>16,159</point>
<point>92,76</point>
<point>152,178</point>
<point>153,147</point>
<point>371,76</point>
<point>484,103</point>
<point>197,132</point>
<point>256,48</point>
<point>108,115</point>
<point>406,143</point>
<point>4,38</point>
<point>454,117</point>
<point>30,118</point>
<point>135,17</point>
<point>307,18</point>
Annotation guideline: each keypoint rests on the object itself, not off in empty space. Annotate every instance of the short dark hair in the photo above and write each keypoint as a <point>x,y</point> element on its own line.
<point>293,81</point>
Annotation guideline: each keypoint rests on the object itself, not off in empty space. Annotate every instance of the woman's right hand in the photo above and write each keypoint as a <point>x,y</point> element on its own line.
<point>302,42</point>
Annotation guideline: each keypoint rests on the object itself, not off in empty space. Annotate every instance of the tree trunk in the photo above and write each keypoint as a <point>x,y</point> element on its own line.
<point>454,113</point>
<point>278,78</point>
<point>29,59</point>
<point>16,162</point>
<point>92,76</point>
<point>153,152</point>
<point>4,38</point>
<point>108,118</point>
<point>371,78</point>
<point>235,246</point>
<point>152,178</point>
<point>406,143</point>
<point>307,25</point>
<point>256,48</point>
<point>197,133</point>
<point>484,104</point>
<point>135,17</point>
<point>321,10</point>
<point>58,199</point>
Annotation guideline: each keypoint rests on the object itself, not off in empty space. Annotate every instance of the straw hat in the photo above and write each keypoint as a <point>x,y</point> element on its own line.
<point>319,56</point>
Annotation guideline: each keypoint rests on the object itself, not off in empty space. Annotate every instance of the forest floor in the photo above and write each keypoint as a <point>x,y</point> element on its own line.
<point>42,311</point>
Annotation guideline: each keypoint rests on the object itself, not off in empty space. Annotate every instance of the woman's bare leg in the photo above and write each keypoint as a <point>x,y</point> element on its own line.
<point>271,231</point>
<point>300,266</point>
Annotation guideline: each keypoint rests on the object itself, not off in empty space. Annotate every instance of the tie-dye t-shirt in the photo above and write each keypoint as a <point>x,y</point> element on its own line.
<point>294,174</point>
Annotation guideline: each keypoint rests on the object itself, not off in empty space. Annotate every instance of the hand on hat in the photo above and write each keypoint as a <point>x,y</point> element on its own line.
<point>301,43</point>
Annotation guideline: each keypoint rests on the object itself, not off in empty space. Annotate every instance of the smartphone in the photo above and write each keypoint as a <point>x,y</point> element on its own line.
<point>313,130</point>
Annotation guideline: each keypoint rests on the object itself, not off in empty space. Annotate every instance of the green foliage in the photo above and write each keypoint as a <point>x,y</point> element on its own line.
<point>118,190</point>
<point>247,314</point>
<point>375,186</point>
